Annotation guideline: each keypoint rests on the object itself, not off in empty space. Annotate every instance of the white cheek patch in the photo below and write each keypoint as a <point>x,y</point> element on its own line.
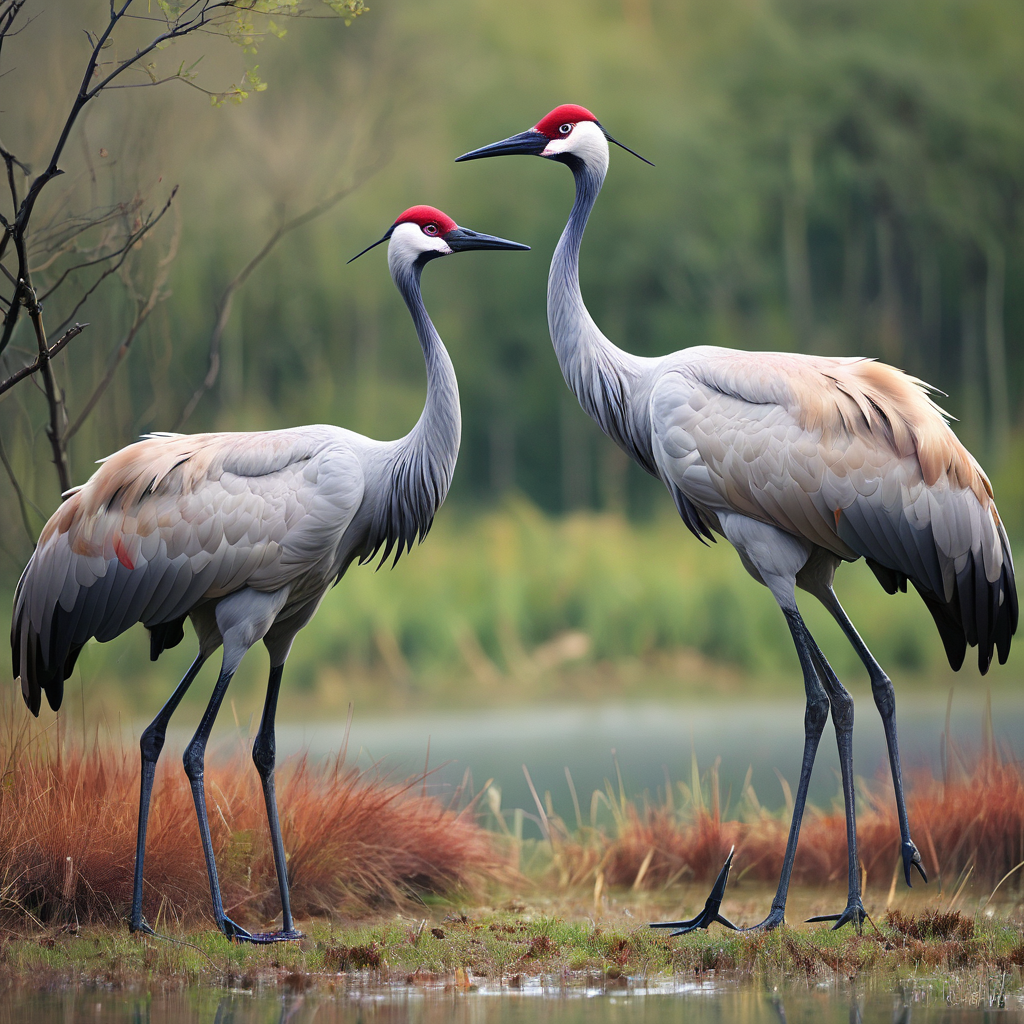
<point>408,241</point>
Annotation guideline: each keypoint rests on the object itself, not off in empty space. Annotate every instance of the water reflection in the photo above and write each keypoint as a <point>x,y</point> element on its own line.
<point>538,1001</point>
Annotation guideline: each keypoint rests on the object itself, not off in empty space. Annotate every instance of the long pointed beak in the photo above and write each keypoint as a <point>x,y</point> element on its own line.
<point>373,246</point>
<point>463,239</point>
<point>531,143</point>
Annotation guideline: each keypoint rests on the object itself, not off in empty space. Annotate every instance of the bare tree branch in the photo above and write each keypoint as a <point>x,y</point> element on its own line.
<point>33,367</point>
<point>121,251</point>
<point>57,239</point>
<point>54,394</point>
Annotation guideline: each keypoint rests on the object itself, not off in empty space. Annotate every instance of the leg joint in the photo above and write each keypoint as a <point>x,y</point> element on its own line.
<point>842,709</point>
<point>151,743</point>
<point>816,713</point>
<point>264,756</point>
<point>193,760</point>
<point>884,694</point>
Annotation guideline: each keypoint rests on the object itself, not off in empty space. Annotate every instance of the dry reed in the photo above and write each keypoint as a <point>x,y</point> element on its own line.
<point>354,839</point>
<point>970,822</point>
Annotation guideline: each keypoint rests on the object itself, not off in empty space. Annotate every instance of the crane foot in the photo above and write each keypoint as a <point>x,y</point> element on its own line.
<point>265,938</point>
<point>236,933</point>
<point>711,912</point>
<point>775,919</point>
<point>143,926</point>
<point>911,858</point>
<point>853,914</point>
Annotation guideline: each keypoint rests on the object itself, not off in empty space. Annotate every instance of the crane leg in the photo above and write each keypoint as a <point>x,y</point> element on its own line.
<point>885,700</point>
<point>815,717</point>
<point>842,718</point>
<point>264,753</point>
<point>151,744</point>
<point>822,689</point>
<point>194,761</point>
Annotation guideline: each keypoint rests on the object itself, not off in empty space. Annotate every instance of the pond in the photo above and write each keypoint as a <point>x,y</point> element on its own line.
<point>647,744</point>
<point>541,1001</point>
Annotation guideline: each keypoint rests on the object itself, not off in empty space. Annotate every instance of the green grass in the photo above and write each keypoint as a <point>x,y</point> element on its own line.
<point>518,607</point>
<point>504,946</point>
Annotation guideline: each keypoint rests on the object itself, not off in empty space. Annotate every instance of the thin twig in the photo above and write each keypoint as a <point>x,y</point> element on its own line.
<point>113,268</point>
<point>131,239</point>
<point>26,371</point>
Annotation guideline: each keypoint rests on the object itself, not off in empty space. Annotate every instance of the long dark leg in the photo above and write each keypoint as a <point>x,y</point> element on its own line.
<point>151,744</point>
<point>194,761</point>
<point>842,718</point>
<point>815,716</point>
<point>885,700</point>
<point>264,753</point>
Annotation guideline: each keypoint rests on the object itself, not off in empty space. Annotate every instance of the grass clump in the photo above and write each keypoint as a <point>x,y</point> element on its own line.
<point>355,840</point>
<point>969,825</point>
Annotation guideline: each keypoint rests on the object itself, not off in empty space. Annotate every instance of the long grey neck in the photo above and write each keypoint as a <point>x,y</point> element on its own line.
<point>421,464</point>
<point>599,374</point>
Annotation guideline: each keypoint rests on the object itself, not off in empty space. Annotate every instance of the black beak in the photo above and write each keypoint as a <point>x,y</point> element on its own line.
<point>374,246</point>
<point>531,143</point>
<point>463,239</point>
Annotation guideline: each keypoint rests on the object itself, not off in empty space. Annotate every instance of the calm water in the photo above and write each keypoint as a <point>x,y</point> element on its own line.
<point>649,743</point>
<point>692,1003</point>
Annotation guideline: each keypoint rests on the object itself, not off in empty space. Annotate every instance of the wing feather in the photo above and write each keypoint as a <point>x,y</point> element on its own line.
<point>175,520</point>
<point>851,455</point>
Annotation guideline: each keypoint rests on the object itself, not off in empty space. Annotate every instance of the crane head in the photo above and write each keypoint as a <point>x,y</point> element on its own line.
<point>424,233</point>
<point>569,133</point>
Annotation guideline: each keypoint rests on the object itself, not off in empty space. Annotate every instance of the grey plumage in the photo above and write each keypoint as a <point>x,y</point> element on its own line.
<point>243,534</point>
<point>801,463</point>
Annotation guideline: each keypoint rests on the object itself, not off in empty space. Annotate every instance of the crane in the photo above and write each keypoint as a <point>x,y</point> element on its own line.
<point>801,462</point>
<point>242,533</point>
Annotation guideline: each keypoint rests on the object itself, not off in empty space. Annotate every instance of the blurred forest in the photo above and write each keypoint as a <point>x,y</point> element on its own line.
<point>837,177</point>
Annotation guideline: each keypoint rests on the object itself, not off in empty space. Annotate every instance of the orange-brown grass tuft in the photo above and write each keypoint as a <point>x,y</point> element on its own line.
<point>971,820</point>
<point>932,924</point>
<point>354,839</point>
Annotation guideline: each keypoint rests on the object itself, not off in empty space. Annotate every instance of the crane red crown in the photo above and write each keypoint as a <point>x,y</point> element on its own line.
<point>424,215</point>
<point>567,113</point>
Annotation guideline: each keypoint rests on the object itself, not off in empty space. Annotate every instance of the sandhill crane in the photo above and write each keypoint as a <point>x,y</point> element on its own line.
<point>800,462</point>
<point>242,533</point>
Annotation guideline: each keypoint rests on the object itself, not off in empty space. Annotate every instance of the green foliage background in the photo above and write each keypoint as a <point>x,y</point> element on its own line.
<point>838,177</point>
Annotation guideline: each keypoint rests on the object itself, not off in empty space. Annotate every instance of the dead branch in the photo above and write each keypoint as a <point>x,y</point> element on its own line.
<point>54,393</point>
<point>120,255</point>
<point>33,367</point>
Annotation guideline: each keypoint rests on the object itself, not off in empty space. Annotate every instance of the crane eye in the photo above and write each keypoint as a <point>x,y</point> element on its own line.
<point>565,129</point>
<point>430,229</point>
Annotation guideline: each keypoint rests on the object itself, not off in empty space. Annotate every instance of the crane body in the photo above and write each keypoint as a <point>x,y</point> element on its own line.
<point>243,534</point>
<point>801,462</point>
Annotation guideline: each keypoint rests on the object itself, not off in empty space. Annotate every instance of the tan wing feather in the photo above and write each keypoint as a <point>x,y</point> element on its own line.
<point>178,520</point>
<point>850,454</point>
